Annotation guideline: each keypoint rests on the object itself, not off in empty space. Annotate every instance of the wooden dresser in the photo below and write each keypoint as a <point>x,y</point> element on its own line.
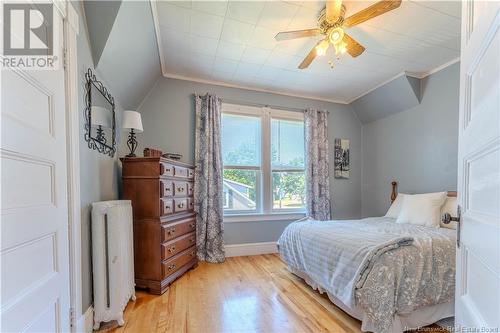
<point>161,191</point>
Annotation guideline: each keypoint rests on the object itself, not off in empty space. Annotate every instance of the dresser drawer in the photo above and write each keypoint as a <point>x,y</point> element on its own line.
<point>180,171</point>
<point>167,188</point>
<point>167,169</point>
<point>180,188</point>
<point>190,188</point>
<point>181,205</point>
<point>172,230</point>
<point>167,206</point>
<point>172,265</point>
<point>178,245</point>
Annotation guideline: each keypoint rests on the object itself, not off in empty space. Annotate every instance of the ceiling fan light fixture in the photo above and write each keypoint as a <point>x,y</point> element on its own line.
<point>340,48</point>
<point>335,35</point>
<point>322,47</point>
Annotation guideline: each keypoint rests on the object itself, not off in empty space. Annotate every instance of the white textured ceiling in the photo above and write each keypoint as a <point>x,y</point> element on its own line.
<point>232,42</point>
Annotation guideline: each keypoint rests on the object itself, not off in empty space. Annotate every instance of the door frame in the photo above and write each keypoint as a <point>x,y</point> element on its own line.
<point>72,123</point>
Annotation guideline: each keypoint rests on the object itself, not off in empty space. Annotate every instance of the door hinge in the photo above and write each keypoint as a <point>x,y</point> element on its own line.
<point>72,317</point>
<point>65,58</point>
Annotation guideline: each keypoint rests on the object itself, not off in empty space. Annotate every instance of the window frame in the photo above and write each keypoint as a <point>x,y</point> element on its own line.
<point>264,187</point>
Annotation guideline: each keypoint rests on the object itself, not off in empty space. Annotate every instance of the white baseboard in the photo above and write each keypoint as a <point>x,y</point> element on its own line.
<point>250,249</point>
<point>86,322</point>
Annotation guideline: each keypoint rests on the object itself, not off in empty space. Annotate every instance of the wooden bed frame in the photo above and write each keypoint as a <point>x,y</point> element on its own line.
<point>394,193</point>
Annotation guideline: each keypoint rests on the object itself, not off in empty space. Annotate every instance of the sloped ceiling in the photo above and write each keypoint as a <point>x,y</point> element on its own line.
<point>129,60</point>
<point>395,96</point>
<point>100,16</point>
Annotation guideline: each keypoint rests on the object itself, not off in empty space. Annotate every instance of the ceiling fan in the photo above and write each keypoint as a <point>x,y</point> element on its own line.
<point>331,24</point>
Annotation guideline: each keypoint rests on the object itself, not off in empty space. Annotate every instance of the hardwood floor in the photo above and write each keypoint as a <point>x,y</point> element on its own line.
<point>244,294</point>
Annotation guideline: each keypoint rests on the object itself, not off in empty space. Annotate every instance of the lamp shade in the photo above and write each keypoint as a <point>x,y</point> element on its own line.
<point>100,116</point>
<point>132,120</point>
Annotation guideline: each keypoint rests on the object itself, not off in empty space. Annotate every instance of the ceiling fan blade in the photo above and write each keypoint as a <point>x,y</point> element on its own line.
<point>309,58</point>
<point>374,10</point>
<point>333,9</point>
<point>353,47</point>
<point>297,34</point>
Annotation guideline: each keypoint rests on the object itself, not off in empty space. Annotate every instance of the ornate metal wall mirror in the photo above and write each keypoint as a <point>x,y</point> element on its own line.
<point>100,123</point>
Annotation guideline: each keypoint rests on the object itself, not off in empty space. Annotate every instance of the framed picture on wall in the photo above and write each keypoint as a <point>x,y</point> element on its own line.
<point>342,158</point>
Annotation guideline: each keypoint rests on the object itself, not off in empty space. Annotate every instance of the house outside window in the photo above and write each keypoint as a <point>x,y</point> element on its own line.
<point>264,159</point>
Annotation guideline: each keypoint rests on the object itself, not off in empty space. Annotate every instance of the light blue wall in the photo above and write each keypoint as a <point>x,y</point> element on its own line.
<point>99,173</point>
<point>417,147</point>
<point>398,95</point>
<point>169,122</point>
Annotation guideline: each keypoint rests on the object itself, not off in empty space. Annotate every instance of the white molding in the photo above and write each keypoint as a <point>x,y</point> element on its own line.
<point>415,75</point>
<point>85,322</point>
<point>154,12</point>
<point>72,17</point>
<point>377,86</point>
<point>250,249</point>
<point>230,85</point>
<point>434,70</point>
<point>73,162</point>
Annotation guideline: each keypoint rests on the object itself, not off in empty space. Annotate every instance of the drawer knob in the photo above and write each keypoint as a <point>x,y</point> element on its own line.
<point>192,254</point>
<point>181,205</point>
<point>180,189</point>
<point>191,239</point>
<point>191,225</point>
<point>171,249</point>
<point>171,231</point>
<point>171,267</point>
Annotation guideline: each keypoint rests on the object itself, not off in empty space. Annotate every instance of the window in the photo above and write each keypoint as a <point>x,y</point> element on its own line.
<point>287,164</point>
<point>263,157</point>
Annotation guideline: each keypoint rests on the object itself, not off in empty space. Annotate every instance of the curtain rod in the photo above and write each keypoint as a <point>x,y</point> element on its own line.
<point>260,105</point>
<point>230,101</point>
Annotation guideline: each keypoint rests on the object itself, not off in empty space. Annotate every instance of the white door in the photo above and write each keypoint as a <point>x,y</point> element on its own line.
<point>477,297</point>
<point>34,217</point>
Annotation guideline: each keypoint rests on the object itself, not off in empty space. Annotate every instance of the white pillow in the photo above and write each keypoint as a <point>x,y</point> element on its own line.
<point>450,206</point>
<point>422,209</point>
<point>395,208</point>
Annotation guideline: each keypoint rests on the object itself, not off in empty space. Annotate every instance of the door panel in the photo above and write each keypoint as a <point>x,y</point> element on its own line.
<point>478,259</point>
<point>34,226</point>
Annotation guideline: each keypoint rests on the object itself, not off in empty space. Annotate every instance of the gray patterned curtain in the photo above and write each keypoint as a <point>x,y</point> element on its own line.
<point>317,178</point>
<point>208,180</point>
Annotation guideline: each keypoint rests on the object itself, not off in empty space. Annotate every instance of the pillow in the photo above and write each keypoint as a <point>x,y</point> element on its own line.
<point>422,209</point>
<point>396,206</point>
<point>450,206</point>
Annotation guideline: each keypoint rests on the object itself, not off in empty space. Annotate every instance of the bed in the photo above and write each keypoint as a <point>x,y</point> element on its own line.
<point>391,276</point>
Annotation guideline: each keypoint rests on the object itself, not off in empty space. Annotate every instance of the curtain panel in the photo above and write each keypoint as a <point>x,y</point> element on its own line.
<point>317,178</point>
<point>208,190</point>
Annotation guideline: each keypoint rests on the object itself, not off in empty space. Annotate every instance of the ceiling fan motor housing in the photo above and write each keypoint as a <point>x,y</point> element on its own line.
<point>324,25</point>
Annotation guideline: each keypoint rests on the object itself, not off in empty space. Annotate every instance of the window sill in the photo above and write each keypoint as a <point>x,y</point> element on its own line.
<point>285,216</point>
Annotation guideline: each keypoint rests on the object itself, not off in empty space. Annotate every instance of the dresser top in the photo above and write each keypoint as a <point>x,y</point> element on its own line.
<point>155,159</point>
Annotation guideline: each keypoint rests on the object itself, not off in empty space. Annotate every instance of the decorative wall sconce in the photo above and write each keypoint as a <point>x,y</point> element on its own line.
<point>132,121</point>
<point>100,125</point>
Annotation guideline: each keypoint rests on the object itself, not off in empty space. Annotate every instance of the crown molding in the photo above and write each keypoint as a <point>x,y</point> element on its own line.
<point>422,75</point>
<point>377,86</point>
<point>230,85</point>
<point>416,75</point>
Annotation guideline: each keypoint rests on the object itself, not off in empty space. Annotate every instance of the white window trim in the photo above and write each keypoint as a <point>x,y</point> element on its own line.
<point>265,211</point>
